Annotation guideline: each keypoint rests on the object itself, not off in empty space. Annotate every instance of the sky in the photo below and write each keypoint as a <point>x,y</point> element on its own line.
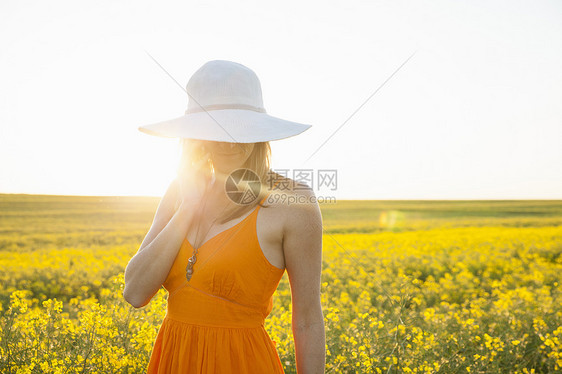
<point>474,113</point>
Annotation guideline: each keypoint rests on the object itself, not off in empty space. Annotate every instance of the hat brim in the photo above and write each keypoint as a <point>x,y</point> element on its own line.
<point>226,125</point>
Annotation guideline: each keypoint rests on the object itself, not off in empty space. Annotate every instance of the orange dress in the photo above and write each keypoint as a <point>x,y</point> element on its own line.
<point>215,322</point>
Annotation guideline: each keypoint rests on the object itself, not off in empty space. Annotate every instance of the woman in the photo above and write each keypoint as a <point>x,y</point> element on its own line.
<point>220,255</point>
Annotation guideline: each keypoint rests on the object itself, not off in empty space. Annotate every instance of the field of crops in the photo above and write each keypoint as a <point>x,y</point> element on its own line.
<point>408,287</point>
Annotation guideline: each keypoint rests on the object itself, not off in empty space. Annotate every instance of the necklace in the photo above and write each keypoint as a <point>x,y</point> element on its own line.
<point>193,258</point>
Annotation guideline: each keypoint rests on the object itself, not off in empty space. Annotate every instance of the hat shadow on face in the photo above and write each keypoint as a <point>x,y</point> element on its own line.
<point>193,150</point>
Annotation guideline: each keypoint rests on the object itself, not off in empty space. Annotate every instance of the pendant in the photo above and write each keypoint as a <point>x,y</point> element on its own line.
<point>189,267</point>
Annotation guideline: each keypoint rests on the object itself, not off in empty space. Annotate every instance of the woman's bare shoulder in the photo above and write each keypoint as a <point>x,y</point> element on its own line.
<point>294,202</point>
<point>299,224</point>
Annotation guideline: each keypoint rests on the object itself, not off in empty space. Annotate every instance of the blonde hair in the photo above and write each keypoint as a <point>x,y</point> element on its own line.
<point>259,162</point>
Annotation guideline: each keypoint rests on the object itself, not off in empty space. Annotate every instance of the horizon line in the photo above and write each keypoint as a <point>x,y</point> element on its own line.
<point>336,199</point>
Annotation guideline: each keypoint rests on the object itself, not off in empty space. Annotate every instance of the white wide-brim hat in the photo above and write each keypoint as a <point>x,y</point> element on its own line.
<point>225,105</point>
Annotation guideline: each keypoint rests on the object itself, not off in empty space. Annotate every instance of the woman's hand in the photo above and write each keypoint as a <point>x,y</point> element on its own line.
<point>194,180</point>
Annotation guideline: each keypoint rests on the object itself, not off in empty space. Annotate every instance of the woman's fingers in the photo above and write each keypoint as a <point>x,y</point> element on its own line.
<point>204,159</point>
<point>201,167</point>
<point>195,180</point>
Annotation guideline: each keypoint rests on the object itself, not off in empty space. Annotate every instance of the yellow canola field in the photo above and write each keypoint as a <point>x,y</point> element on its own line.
<point>438,300</point>
<point>480,299</point>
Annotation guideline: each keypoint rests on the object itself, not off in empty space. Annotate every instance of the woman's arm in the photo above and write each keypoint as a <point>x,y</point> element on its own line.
<point>302,247</point>
<point>166,208</point>
<point>149,267</point>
